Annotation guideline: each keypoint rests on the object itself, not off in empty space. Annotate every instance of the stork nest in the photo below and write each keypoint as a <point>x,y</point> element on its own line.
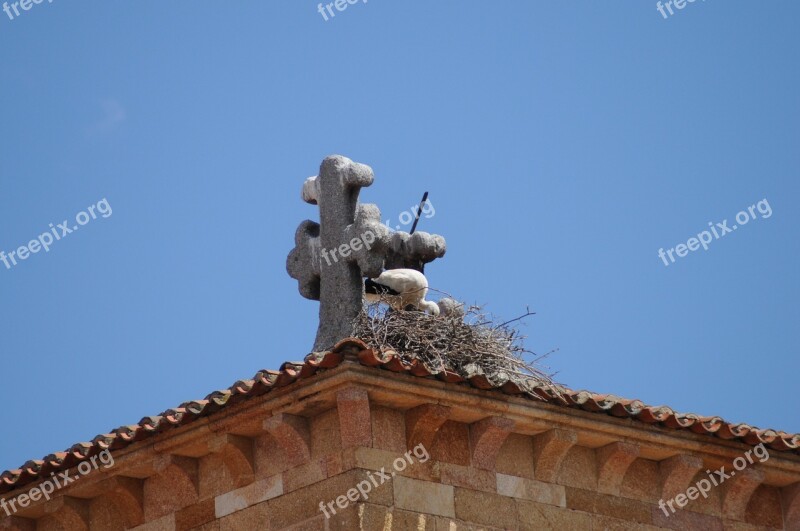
<point>467,343</point>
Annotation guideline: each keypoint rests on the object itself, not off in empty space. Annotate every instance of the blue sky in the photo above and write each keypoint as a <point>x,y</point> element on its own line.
<point>563,144</point>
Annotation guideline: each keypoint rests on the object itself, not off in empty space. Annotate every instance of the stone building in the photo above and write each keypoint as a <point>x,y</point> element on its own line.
<point>354,440</point>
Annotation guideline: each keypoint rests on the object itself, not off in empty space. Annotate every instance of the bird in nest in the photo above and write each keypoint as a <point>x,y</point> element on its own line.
<point>402,289</point>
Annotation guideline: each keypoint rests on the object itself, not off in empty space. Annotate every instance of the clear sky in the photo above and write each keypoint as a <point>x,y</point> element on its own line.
<point>563,144</point>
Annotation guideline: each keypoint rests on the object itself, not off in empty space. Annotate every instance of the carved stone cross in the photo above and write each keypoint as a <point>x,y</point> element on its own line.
<point>331,258</point>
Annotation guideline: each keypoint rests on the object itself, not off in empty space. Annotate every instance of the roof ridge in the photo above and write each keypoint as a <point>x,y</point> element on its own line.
<point>354,349</point>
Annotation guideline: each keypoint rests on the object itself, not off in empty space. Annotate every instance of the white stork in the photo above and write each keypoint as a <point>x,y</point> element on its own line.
<point>401,288</point>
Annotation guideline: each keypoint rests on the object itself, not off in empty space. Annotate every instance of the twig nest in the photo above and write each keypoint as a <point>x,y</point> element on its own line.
<point>461,340</point>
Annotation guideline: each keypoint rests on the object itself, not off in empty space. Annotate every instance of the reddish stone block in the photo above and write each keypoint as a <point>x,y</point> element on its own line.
<point>643,481</point>
<point>104,515</point>
<point>738,490</point>
<point>485,508</point>
<point>340,462</point>
<point>578,468</point>
<point>407,520</point>
<point>534,516</point>
<point>388,429</point>
<point>215,478</point>
<point>303,504</point>
<point>325,433</point>
<point>245,497</point>
<point>237,454</point>
<point>450,524</point>
<point>531,489</point>
<point>423,424</point>
<point>613,461</point>
<point>423,496</point>
<point>349,519</point>
<point>764,508</point>
<point>790,498</point>
<point>677,473</point>
<point>377,517</point>
<point>607,523</point>
<point>683,519</point>
<point>172,489</point>
<point>355,419</point>
<point>373,459</point>
<point>16,523</point>
<point>254,517</point>
<point>303,475</point>
<point>317,523</point>
<point>211,526</point>
<point>486,438</point>
<point>515,457</point>
<point>292,435</point>
<point>452,444</point>
<point>549,450</point>
<point>468,477</point>
<point>264,451</point>
<point>195,515</point>
<point>120,506</point>
<point>165,523</point>
<point>597,503</point>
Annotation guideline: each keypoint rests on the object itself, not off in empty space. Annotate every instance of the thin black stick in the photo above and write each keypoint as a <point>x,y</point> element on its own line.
<point>419,211</point>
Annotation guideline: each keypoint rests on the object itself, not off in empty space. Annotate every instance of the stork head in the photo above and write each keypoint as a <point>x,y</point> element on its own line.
<point>429,306</point>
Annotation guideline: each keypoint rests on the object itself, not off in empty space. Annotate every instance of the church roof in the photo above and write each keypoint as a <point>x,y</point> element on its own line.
<point>290,373</point>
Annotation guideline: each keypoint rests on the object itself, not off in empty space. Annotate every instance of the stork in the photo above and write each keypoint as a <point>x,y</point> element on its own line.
<point>400,288</point>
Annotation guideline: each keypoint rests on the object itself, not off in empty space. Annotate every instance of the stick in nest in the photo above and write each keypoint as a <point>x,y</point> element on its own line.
<point>467,344</point>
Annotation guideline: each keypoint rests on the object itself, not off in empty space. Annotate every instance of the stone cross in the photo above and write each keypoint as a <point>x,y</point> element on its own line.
<point>331,258</point>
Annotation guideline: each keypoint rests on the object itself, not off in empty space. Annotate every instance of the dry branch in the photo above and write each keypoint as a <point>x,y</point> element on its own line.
<point>468,345</point>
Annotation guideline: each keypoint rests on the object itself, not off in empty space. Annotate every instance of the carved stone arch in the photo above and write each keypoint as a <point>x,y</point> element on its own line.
<point>293,436</point>
<point>69,514</point>
<point>121,506</point>
<point>174,487</point>
<point>236,453</point>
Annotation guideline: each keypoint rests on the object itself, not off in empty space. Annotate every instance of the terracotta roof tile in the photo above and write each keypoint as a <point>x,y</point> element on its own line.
<point>290,372</point>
